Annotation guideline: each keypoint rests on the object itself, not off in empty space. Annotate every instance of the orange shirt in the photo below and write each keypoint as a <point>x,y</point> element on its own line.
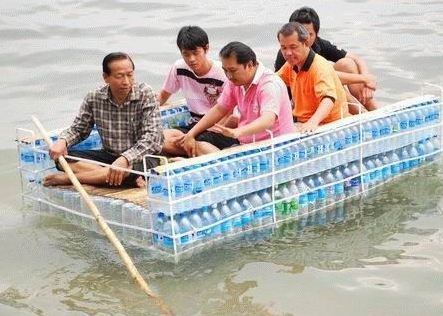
<point>316,80</point>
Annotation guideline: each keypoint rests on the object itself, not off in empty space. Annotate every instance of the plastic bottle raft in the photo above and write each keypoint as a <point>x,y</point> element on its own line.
<point>194,202</point>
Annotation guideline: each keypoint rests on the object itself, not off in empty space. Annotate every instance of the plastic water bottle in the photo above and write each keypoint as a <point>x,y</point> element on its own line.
<point>356,179</point>
<point>236,208</point>
<point>329,178</point>
<point>226,225</point>
<point>404,157</point>
<point>197,225</point>
<point>312,194</point>
<point>207,220</point>
<point>339,189</point>
<point>412,119</point>
<point>321,192</point>
<point>413,153</point>
<point>216,217</point>
<point>395,167</point>
<point>256,202</point>
<point>266,211</point>
<point>303,200</point>
<point>246,218</point>
<point>386,170</point>
<point>159,221</point>
<point>370,166</point>
<point>185,227</point>
<point>293,193</point>
<point>198,184</point>
<point>378,165</point>
<point>168,240</point>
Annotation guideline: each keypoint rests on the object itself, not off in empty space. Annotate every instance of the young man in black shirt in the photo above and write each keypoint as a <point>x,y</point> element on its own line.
<point>351,69</point>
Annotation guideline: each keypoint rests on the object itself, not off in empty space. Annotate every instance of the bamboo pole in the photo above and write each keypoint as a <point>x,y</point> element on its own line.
<point>104,226</point>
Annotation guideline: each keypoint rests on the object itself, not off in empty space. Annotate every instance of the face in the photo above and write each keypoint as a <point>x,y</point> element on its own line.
<point>238,74</point>
<point>294,51</point>
<point>312,35</point>
<point>196,59</point>
<point>121,77</point>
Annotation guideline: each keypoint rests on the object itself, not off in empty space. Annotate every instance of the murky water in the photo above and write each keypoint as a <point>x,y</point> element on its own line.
<point>381,255</point>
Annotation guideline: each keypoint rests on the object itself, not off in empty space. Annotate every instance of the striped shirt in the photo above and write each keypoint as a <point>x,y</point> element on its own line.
<point>131,130</point>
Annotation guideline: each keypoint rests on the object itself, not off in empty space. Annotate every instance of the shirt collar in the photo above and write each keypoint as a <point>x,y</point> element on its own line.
<point>308,62</point>
<point>105,94</point>
<point>259,71</point>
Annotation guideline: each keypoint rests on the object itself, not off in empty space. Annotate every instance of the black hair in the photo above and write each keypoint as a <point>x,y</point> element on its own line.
<point>306,15</point>
<point>294,27</point>
<point>192,37</point>
<point>242,52</point>
<point>113,57</point>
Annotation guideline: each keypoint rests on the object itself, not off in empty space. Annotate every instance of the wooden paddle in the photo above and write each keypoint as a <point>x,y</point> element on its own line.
<point>104,226</point>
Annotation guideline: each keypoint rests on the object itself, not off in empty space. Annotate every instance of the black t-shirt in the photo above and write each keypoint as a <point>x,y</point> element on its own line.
<point>322,47</point>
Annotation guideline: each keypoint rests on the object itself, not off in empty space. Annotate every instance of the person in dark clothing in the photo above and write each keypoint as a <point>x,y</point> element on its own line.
<point>351,69</point>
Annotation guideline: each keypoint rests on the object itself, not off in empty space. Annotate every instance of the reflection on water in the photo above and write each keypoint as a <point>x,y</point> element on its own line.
<point>378,255</point>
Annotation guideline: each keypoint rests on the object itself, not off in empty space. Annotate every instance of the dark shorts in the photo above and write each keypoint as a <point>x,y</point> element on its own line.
<point>108,158</point>
<point>218,140</point>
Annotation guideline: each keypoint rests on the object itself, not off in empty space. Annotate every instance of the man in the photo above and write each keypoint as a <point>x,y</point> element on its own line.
<point>318,94</point>
<point>260,96</point>
<point>127,117</point>
<point>351,69</point>
<point>201,81</point>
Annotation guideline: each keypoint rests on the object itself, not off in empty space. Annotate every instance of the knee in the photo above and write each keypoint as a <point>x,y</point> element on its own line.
<point>346,65</point>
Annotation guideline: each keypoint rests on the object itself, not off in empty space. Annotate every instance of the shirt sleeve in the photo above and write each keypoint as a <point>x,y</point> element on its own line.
<point>151,140</point>
<point>171,84</point>
<point>331,52</point>
<point>227,97</point>
<point>270,98</point>
<point>82,125</point>
<point>285,74</point>
<point>324,85</point>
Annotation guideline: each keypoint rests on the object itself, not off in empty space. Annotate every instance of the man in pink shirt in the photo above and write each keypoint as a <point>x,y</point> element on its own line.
<point>259,94</point>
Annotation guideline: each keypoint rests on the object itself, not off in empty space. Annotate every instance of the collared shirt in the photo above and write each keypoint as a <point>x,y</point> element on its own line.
<point>132,129</point>
<point>267,92</point>
<point>315,81</point>
<point>322,47</point>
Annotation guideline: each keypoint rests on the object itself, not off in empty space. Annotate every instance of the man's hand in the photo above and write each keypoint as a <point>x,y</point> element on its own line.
<point>114,176</point>
<point>307,127</point>
<point>58,149</point>
<point>228,132</point>
<point>189,145</point>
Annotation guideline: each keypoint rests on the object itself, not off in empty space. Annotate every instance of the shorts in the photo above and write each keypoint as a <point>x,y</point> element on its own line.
<point>218,140</point>
<point>103,156</point>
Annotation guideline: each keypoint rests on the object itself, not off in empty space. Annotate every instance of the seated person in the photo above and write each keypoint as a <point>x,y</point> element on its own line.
<point>201,81</point>
<point>351,69</point>
<point>318,95</point>
<point>127,117</point>
<point>259,94</point>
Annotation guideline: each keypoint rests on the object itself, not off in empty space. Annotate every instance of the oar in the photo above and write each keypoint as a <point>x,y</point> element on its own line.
<point>104,226</point>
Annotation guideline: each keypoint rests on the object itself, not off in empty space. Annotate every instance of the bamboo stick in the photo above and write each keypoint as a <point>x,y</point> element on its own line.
<point>104,226</point>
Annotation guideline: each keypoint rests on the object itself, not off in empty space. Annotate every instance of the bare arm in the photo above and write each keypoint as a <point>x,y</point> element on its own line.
<point>215,114</point>
<point>349,78</point>
<point>264,122</point>
<point>324,108</point>
<point>362,67</point>
<point>163,96</point>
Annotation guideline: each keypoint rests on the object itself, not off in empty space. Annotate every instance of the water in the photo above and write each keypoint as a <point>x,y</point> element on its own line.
<point>386,248</point>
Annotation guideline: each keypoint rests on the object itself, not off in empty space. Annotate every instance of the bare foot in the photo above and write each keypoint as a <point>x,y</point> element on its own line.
<point>140,181</point>
<point>56,179</point>
<point>174,159</point>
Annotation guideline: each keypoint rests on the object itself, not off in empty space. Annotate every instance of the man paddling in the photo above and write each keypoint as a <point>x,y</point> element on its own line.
<point>127,118</point>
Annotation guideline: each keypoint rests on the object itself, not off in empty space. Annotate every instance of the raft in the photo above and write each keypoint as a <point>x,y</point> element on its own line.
<point>191,204</point>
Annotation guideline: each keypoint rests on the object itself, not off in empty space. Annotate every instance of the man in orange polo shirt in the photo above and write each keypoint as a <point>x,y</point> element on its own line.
<point>318,94</point>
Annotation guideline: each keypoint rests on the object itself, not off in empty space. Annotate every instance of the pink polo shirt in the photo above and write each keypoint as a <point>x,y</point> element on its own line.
<point>267,92</point>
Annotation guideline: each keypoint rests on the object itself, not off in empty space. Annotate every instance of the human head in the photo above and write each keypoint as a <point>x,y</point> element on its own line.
<point>293,39</point>
<point>193,43</point>
<point>309,18</point>
<point>118,73</point>
<point>239,63</point>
